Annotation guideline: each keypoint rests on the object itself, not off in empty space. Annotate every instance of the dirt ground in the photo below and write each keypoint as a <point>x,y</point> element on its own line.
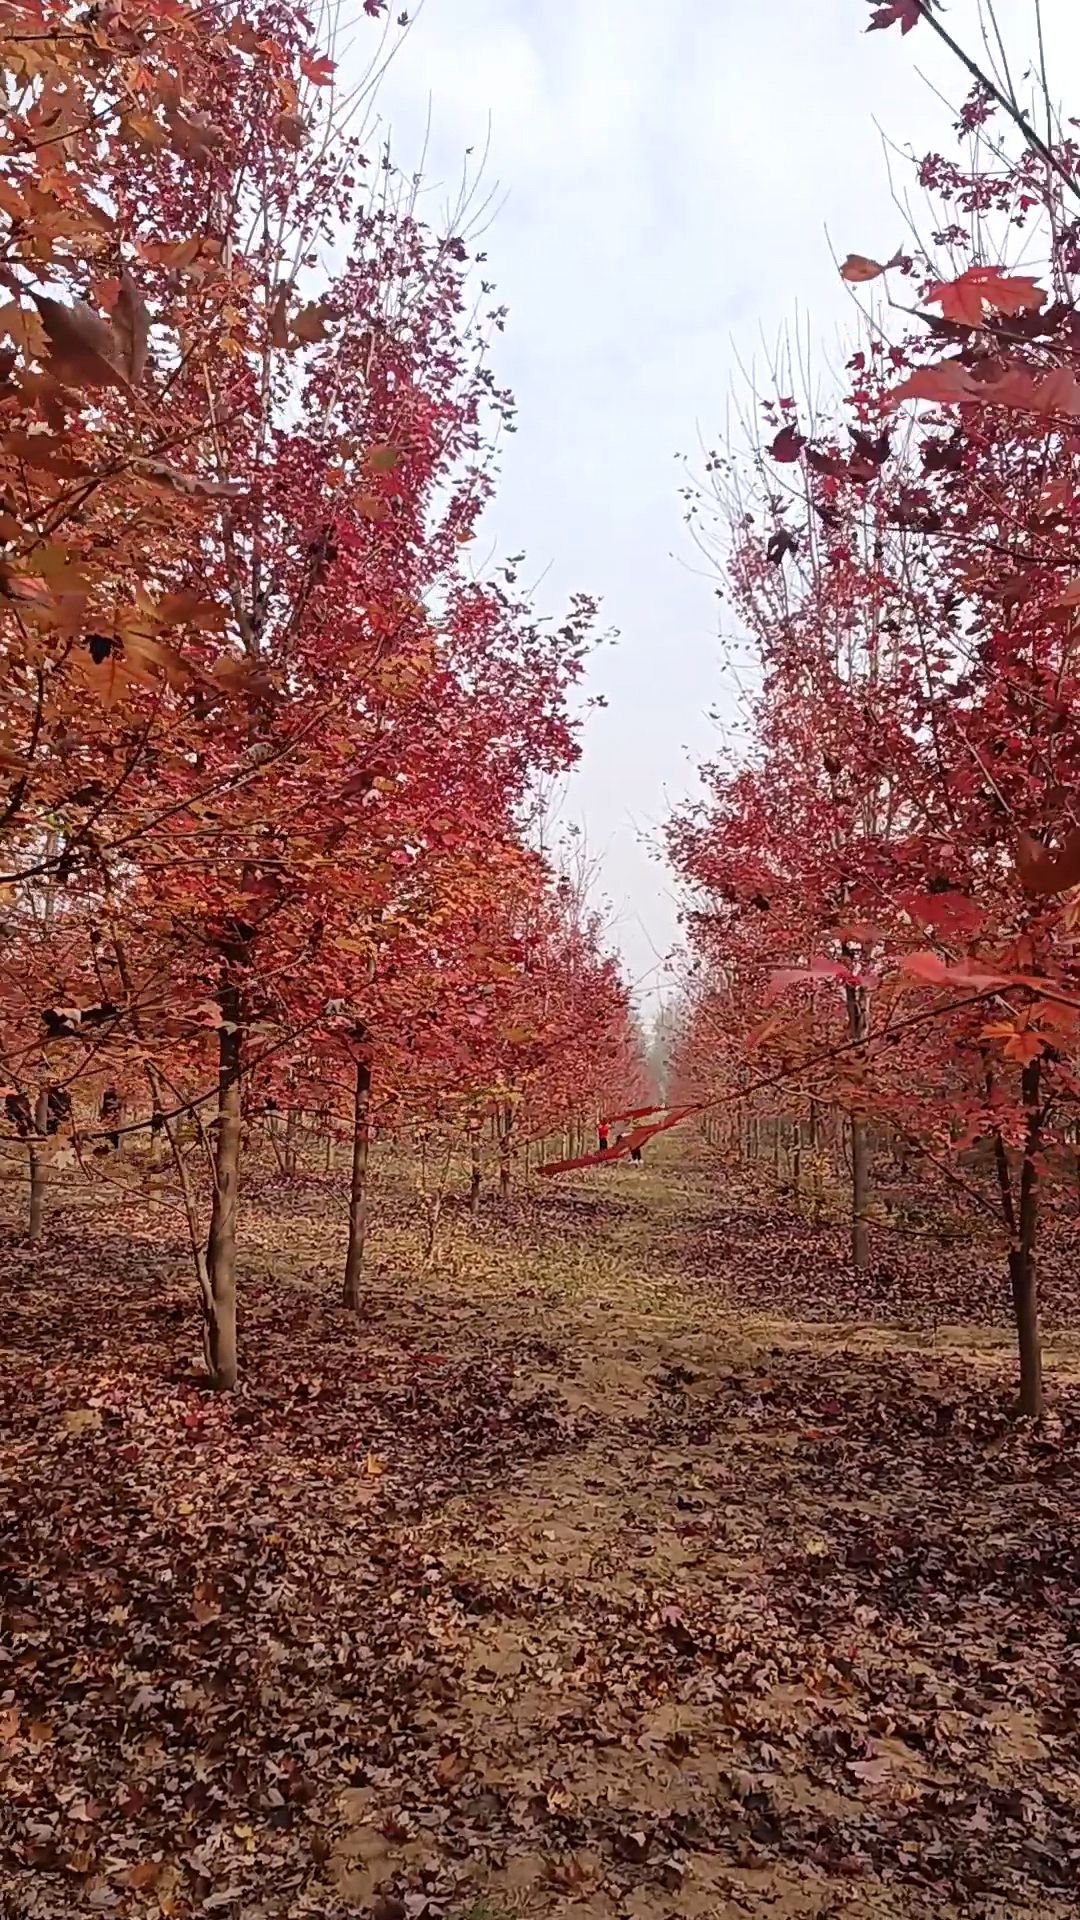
<point>599,1572</point>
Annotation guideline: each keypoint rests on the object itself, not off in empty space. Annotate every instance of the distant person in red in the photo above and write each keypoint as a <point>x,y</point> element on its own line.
<point>602,1135</point>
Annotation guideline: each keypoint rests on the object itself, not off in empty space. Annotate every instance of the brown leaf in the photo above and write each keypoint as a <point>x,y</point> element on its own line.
<point>1041,871</point>
<point>193,134</point>
<point>451,1768</point>
<point>310,323</point>
<point>144,1873</point>
<point>24,328</point>
<point>293,130</point>
<point>144,129</point>
<point>382,459</point>
<point>131,328</point>
<point>859,267</point>
<point>387,1906</point>
<point>84,346</point>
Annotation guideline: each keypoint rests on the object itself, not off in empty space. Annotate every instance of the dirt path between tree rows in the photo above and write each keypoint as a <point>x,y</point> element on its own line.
<point>583,1582</point>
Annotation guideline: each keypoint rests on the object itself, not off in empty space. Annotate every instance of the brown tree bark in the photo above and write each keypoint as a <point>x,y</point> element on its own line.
<point>1022,1225</point>
<point>221,1350</point>
<point>38,1165</point>
<point>292,1141</point>
<point>1023,1271</point>
<point>858,1027</point>
<point>354,1257</point>
<point>504,1154</point>
<point>474,1174</point>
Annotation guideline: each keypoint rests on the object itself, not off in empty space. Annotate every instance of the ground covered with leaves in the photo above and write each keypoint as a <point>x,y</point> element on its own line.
<point>603,1570</point>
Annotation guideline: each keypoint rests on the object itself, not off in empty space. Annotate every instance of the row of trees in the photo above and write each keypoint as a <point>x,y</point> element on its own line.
<point>875,904</point>
<point>268,749</point>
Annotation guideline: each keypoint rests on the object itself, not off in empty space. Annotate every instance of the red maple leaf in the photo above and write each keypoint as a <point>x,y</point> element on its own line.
<point>907,12</point>
<point>317,68</point>
<point>947,380</point>
<point>965,299</point>
<point>788,444</point>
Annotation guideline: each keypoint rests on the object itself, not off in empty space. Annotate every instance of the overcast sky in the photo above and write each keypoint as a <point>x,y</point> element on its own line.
<point>669,176</point>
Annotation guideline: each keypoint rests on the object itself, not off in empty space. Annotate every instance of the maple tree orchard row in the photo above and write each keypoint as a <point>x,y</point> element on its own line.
<point>877,919</point>
<point>266,747</point>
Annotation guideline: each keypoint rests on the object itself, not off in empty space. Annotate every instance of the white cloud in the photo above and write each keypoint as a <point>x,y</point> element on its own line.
<point>670,168</point>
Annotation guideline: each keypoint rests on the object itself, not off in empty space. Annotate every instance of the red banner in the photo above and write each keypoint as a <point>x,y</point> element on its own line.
<point>632,1113</point>
<point>636,1138</point>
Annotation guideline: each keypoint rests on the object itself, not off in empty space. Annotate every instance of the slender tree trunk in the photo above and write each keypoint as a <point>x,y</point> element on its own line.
<point>813,1141</point>
<point>860,1191</point>
<point>221,1353</point>
<point>38,1164</point>
<point>354,1258</point>
<point>1023,1271</point>
<point>292,1132</point>
<point>474,1174</point>
<point>272,1132</point>
<point>435,1206</point>
<point>39,1169</point>
<point>504,1155</point>
<point>858,1027</point>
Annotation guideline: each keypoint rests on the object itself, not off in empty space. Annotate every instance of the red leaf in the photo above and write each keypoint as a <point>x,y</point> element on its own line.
<point>788,444</point>
<point>1024,1046</point>
<point>819,969</point>
<point>907,13</point>
<point>946,381</point>
<point>317,68</point>
<point>948,912</point>
<point>1041,871</point>
<point>965,298</point>
<point>929,967</point>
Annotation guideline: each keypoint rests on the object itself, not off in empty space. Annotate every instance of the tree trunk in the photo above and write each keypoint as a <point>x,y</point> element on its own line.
<point>292,1137</point>
<point>504,1155</point>
<point>813,1141</point>
<point>38,1164</point>
<point>221,1242</point>
<point>858,1027</point>
<point>474,1175</point>
<point>1023,1272</point>
<point>860,1191</point>
<point>354,1258</point>
<point>1025,1294</point>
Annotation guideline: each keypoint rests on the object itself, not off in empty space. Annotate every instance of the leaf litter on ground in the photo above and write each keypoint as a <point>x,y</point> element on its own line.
<point>667,1591</point>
